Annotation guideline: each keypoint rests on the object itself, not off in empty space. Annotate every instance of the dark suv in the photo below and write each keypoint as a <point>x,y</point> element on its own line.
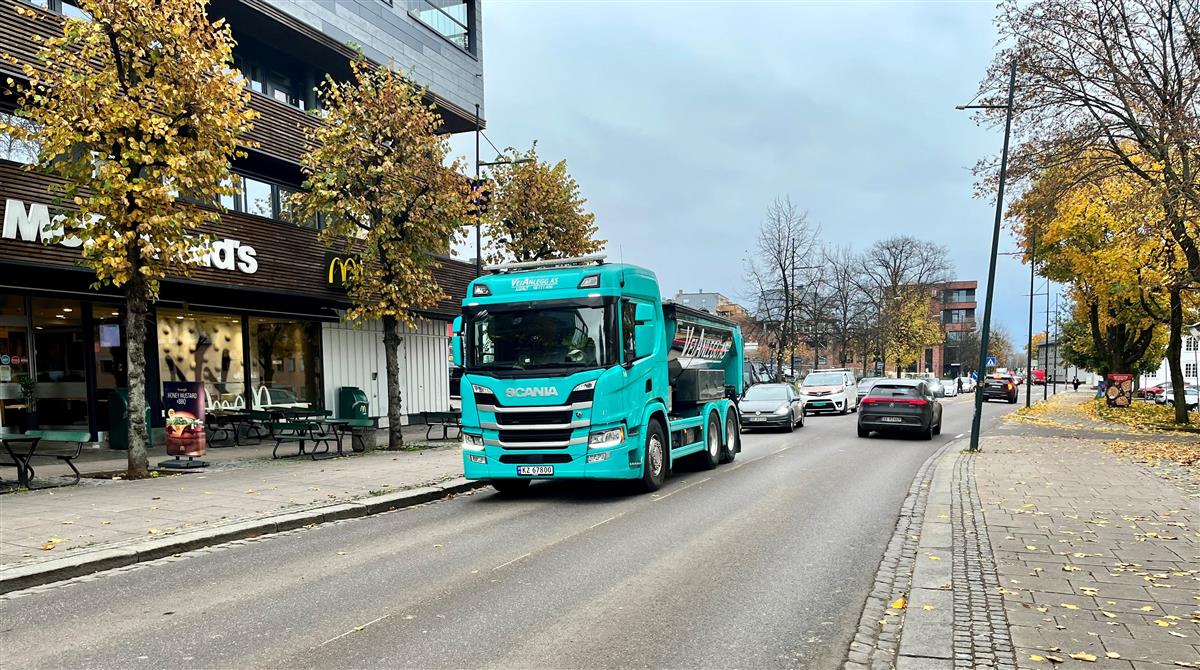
<point>906,405</point>
<point>1000,387</point>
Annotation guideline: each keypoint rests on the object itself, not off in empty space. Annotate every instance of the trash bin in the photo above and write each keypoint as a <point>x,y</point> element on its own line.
<point>352,403</point>
<point>118,426</point>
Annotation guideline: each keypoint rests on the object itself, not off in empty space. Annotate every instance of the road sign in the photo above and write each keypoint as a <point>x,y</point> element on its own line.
<point>991,361</point>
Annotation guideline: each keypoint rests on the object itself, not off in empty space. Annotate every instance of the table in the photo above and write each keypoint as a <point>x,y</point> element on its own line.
<point>339,428</point>
<point>227,420</point>
<point>24,472</point>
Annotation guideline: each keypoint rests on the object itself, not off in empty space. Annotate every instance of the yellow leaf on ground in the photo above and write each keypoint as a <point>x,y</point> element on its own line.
<point>1070,606</point>
<point>1146,608</point>
<point>927,607</point>
<point>1112,654</point>
<point>1039,659</point>
<point>1164,624</point>
<point>48,546</point>
<point>1084,656</point>
<point>898,604</point>
<point>934,558</point>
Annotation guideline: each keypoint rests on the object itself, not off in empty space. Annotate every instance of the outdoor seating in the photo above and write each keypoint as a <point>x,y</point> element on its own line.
<point>62,445</point>
<point>321,432</point>
<point>446,420</point>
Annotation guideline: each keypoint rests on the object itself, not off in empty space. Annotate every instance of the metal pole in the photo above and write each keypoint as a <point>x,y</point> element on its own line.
<point>1046,386</point>
<point>478,214</point>
<point>816,342</point>
<point>991,286</point>
<point>1055,342</point>
<point>1029,352</point>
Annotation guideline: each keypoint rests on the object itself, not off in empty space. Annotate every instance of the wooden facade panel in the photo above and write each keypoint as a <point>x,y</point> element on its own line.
<point>290,259</point>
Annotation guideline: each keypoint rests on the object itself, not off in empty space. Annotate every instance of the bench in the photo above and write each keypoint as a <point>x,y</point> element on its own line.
<point>446,420</point>
<point>66,446</point>
<point>299,432</point>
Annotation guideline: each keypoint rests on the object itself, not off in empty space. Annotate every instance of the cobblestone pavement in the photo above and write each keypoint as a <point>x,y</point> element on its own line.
<point>1043,550</point>
<point>48,524</point>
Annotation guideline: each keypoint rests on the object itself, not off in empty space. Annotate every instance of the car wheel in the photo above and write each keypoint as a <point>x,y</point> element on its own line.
<point>791,427</point>
<point>863,432</point>
<point>938,430</point>
<point>927,434</point>
<point>654,458</point>
<point>802,419</point>
<point>733,440</point>
<point>711,456</point>
<point>510,487</point>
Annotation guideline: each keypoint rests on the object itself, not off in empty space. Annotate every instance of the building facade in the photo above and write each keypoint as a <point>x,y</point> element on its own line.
<point>261,322</point>
<point>954,305</point>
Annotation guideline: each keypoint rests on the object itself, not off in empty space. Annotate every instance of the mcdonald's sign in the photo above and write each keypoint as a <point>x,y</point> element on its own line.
<point>340,269</point>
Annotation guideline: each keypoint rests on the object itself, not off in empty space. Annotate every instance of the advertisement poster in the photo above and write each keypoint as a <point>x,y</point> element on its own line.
<point>184,402</point>
<point>1118,390</point>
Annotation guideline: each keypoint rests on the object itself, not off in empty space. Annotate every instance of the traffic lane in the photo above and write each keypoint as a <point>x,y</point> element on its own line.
<point>256,604</point>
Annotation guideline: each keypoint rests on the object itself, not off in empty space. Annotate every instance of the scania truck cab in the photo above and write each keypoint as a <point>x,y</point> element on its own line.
<point>577,369</point>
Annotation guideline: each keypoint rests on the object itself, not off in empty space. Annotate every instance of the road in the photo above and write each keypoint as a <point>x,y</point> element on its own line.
<point>762,563</point>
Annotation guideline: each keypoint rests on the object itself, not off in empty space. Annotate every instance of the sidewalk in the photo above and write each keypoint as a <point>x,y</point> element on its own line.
<point>1046,549</point>
<point>242,492</point>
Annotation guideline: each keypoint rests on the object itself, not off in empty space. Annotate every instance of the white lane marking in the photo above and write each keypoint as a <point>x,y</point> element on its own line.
<point>688,486</point>
<point>354,630</point>
<point>595,525</point>
<point>778,450</point>
<point>511,562</point>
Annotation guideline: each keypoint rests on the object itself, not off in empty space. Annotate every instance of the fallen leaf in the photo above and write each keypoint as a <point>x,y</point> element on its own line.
<point>1069,606</point>
<point>1171,632</point>
<point>1039,659</point>
<point>934,558</point>
<point>1084,656</point>
<point>154,531</point>
<point>48,546</point>
<point>927,607</point>
<point>1112,654</point>
<point>1146,608</point>
<point>898,604</point>
<point>1108,614</point>
<point>1164,624</point>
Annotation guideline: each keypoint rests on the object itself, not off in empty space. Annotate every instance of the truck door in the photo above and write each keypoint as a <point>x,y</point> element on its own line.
<point>637,381</point>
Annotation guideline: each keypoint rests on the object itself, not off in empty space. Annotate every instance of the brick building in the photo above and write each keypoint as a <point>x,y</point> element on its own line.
<point>954,304</point>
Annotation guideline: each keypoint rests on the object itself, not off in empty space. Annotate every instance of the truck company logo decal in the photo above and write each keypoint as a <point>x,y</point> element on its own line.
<point>532,392</point>
<point>701,343</point>
<point>37,226</point>
<point>534,284</point>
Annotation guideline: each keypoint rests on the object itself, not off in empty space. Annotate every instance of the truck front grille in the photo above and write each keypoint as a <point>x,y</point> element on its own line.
<point>533,418</point>
<point>535,459</point>
<point>517,439</point>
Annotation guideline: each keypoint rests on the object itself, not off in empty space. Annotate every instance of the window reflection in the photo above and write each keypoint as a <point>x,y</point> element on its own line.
<point>197,347</point>
<point>285,361</point>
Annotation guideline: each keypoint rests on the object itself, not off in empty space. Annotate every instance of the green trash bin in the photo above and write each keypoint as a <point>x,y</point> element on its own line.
<point>118,426</point>
<point>352,403</point>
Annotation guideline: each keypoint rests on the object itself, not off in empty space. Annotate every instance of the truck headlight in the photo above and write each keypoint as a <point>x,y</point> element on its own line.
<point>586,386</point>
<point>480,389</point>
<point>606,438</point>
<point>472,442</point>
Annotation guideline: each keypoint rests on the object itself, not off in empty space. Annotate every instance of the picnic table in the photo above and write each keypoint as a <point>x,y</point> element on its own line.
<point>228,422</point>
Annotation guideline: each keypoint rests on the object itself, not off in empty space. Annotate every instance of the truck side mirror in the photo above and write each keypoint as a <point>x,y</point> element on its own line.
<point>456,354</point>
<point>643,340</point>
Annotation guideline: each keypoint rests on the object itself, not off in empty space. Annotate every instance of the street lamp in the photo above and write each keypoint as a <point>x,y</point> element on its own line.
<point>987,307</point>
<point>478,184</point>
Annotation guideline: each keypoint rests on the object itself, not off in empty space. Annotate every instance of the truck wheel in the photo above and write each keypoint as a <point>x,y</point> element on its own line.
<point>510,487</point>
<point>733,438</point>
<point>654,458</point>
<point>711,456</point>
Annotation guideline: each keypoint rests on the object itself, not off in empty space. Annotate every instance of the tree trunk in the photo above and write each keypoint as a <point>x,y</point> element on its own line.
<point>391,347</point>
<point>137,307</point>
<point>1174,354</point>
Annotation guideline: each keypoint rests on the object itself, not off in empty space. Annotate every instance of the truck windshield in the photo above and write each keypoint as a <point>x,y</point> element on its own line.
<point>542,337</point>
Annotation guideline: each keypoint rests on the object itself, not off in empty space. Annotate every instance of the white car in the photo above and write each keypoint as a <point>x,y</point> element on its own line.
<point>829,391</point>
<point>950,388</point>
<point>968,384</point>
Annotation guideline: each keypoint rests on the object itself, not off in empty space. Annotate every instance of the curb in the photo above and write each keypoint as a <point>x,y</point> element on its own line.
<point>68,567</point>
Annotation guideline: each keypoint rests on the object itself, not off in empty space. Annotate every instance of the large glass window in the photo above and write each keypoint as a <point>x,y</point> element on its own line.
<point>14,360</point>
<point>108,337</point>
<point>542,337</point>
<point>60,363</point>
<point>264,199</point>
<point>14,149</point>
<point>198,347</point>
<point>449,18</point>
<point>285,361</point>
<point>258,197</point>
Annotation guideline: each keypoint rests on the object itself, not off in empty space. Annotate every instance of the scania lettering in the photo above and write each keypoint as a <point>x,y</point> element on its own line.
<point>577,369</point>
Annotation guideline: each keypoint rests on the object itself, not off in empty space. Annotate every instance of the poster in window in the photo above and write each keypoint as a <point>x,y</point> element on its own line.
<point>110,335</point>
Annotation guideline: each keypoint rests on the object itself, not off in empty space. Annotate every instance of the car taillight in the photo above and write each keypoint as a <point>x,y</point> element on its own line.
<point>868,401</point>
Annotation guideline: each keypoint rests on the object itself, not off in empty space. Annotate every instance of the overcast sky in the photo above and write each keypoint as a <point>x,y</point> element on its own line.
<point>682,121</point>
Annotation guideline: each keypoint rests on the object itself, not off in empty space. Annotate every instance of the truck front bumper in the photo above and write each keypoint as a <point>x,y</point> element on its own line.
<point>622,461</point>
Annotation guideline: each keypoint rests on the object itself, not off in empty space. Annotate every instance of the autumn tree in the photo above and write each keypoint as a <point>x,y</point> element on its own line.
<point>379,178</point>
<point>1115,84</point>
<point>536,212</point>
<point>139,111</point>
<point>907,328</point>
<point>775,273</point>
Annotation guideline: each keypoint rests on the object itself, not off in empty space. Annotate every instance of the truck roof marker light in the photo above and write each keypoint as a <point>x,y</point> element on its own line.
<point>590,281</point>
<point>481,290</point>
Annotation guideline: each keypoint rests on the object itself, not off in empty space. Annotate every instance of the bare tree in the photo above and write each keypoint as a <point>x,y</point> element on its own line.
<point>786,242</point>
<point>849,307</point>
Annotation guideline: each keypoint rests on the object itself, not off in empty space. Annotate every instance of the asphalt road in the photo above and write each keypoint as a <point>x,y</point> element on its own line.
<point>762,563</point>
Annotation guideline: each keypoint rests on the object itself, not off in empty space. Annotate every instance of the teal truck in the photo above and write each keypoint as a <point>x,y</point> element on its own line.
<point>577,369</point>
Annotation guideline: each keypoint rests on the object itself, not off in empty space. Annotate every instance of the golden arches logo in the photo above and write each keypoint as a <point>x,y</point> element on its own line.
<point>347,265</point>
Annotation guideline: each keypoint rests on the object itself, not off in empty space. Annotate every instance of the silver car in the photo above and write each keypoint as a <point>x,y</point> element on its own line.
<point>771,406</point>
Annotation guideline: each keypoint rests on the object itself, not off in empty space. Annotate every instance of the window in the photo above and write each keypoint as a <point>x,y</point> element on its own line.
<point>264,199</point>
<point>15,149</point>
<point>629,329</point>
<point>449,18</point>
<point>1191,344</point>
<point>59,365</point>
<point>277,85</point>
<point>198,347</point>
<point>1189,369</point>
<point>285,359</point>
<point>537,337</point>
<point>65,7</point>
<point>958,315</point>
<point>959,295</point>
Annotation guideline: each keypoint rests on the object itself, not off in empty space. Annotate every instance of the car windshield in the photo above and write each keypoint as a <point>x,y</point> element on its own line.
<point>823,379</point>
<point>894,391</point>
<point>767,392</point>
<point>559,336</point>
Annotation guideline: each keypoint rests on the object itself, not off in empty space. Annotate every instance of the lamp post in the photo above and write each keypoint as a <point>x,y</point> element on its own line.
<point>1029,350</point>
<point>991,286</point>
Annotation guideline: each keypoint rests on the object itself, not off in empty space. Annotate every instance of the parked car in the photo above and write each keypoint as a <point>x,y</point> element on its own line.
<point>1148,392</point>
<point>771,406</point>
<point>950,388</point>
<point>1000,387</point>
<point>1191,399</point>
<point>829,391</point>
<point>1166,393</point>
<point>901,405</point>
<point>935,385</point>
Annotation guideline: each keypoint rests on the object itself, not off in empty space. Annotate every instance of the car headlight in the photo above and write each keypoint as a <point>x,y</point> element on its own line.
<point>472,442</point>
<point>586,386</point>
<point>606,438</point>
<point>782,410</point>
